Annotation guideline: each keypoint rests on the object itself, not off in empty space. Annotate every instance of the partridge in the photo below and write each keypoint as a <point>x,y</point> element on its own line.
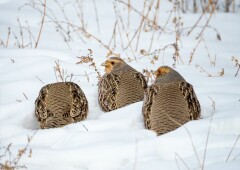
<point>59,104</point>
<point>121,85</point>
<point>169,102</point>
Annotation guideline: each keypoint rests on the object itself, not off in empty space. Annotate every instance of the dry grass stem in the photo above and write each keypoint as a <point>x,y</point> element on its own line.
<point>208,134</point>
<point>8,36</point>
<point>220,73</point>
<point>13,161</point>
<point>113,36</point>
<point>212,62</point>
<point>150,75</point>
<point>139,30</point>
<point>85,75</point>
<point>129,9</point>
<point>141,14</point>
<point>151,42</point>
<point>85,128</point>
<point>233,147</point>
<point>118,15</point>
<point>42,22</point>
<point>189,134</point>
<point>61,73</point>
<point>154,56</point>
<point>89,59</point>
<point>155,20</point>
<point>196,23</point>
<point>39,79</point>
<point>96,12</point>
<point>120,33</point>
<point>25,96</point>
<point>17,41</point>
<point>166,23</point>
<point>180,158</point>
<point>20,32</point>
<point>194,50</point>
<point>236,64</point>
<point>177,25</point>
<point>30,34</point>
<point>69,77</point>
<point>206,24</point>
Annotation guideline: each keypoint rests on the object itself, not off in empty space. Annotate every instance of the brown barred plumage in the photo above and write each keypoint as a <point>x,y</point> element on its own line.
<point>59,104</point>
<point>120,86</point>
<point>169,102</point>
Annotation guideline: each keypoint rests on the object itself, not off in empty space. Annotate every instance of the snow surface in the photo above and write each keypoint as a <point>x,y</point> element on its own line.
<point>118,139</point>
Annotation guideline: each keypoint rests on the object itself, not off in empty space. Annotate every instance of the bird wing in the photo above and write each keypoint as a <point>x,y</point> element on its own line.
<point>141,79</point>
<point>79,104</point>
<point>169,105</point>
<point>191,98</point>
<point>107,90</point>
<point>149,94</point>
<point>40,103</point>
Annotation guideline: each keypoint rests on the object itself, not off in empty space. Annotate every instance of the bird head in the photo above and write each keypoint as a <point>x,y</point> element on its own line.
<point>162,71</point>
<point>111,63</point>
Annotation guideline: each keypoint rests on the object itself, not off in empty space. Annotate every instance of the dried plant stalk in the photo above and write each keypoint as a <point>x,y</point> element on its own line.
<point>13,161</point>
<point>89,59</point>
<point>42,22</point>
<point>150,75</point>
<point>236,64</point>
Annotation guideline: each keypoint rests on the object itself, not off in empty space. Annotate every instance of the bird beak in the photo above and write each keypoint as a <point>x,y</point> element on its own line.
<point>103,64</point>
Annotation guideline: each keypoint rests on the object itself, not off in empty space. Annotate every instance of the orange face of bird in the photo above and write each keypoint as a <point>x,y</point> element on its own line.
<point>162,71</point>
<point>111,63</point>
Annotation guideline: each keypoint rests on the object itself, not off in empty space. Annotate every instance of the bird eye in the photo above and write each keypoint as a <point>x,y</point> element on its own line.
<point>112,63</point>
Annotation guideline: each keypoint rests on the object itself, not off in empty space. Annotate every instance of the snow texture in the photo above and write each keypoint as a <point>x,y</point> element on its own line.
<point>118,139</point>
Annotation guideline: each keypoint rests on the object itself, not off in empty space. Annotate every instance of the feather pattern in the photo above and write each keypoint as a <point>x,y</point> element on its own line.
<point>120,86</point>
<point>169,103</point>
<point>59,104</point>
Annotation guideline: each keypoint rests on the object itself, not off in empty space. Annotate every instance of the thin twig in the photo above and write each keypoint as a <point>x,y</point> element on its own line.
<point>113,36</point>
<point>42,22</point>
<point>141,14</point>
<point>85,127</point>
<point>20,32</point>
<point>16,38</point>
<point>233,147</point>
<point>208,53</point>
<point>184,163</point>
<point>196,23</point>
<point>237,71</point>
<point>57,69</point>
<point>89,59</point>
<point>39,79</point>
<point>8,36</point>
<point>25,96</point>
<point>190,136</point>
<point>194,50</point>
<point>206,24</point>
<point>96,12</point>
<point>22,151</point>
<point>208,134</point>
<point>121,21</point>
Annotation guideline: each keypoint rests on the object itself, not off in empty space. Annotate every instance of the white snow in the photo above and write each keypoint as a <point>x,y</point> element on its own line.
<point>118,139</point>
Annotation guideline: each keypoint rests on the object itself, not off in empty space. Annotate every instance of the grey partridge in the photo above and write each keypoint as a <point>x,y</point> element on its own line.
<point>169,102</point>
<point>121,85</point>
<point>59,104</point>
